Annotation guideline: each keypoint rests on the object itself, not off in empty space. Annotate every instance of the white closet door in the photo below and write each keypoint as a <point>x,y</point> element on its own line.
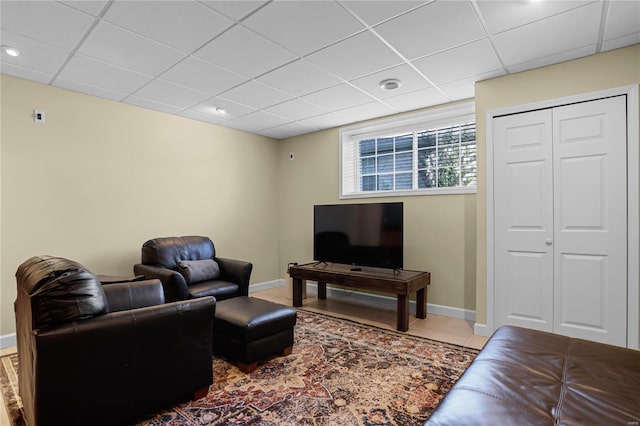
<point>590,238</point>
<point>523,209</point>
<point>560,220</point>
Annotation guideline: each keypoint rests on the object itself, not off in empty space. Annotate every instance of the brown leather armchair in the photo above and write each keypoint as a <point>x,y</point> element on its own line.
<point>90,354</point>
<point>177,262</point>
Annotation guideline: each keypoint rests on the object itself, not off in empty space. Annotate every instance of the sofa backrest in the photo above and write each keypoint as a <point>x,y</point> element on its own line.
<point>59,290</point>
<point>167,252</point>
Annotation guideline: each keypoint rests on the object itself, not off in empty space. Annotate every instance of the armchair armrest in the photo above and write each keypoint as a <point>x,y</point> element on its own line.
<point>173,283</point>
<point>133,295</point>
<point>236,271</point>
<point>143,359</point>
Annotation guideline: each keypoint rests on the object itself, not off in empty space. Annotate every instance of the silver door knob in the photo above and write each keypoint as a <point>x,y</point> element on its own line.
<point>548,241</point>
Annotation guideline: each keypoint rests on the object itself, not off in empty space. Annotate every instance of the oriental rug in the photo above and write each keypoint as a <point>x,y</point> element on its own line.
<point>339,373</point>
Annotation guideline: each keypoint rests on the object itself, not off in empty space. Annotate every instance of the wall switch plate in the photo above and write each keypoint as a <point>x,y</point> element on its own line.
<point>38,116</point>
<point>292,156</point>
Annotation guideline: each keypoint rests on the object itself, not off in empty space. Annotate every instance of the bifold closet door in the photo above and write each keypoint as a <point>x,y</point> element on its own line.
<point>590,218</point>
<point>560,220</point>
<point>523,217</point>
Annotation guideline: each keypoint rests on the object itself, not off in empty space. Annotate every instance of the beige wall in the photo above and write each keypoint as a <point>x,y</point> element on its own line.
<point>439,233</point>
<point>607,70</point>
<point>101,177</point>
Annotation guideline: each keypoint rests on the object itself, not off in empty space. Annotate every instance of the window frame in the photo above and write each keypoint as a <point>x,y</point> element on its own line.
<point>407,123</point>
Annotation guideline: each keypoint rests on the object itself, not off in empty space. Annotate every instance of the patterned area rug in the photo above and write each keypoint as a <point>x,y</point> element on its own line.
<point>340,373</point>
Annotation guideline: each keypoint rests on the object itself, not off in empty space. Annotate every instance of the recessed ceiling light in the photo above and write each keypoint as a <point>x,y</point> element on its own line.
<point>220,111</point>
<point>11,51</point>
<point>390,84</point>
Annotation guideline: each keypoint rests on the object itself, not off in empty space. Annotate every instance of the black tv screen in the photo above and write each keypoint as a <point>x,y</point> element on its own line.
<point>359,234</point>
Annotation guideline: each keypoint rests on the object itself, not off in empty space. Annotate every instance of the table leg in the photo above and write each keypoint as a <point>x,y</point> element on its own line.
<point>403,312</point>
<point>297,291</point>
<point>322,290</point>
<point>421,303</point>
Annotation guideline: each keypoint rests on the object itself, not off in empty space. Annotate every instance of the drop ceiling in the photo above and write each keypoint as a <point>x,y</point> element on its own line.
<point>285,68</point>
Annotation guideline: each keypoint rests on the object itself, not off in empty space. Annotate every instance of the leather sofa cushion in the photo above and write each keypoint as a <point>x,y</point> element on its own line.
<point>167,252</point>
<point>199,270</point>
<point>533,377</point>
<point>61,290</point>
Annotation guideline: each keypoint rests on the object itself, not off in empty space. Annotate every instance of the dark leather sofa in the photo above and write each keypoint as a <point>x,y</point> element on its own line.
<point>162,257</point>
<point>529,377</point>
<point>105,355</point>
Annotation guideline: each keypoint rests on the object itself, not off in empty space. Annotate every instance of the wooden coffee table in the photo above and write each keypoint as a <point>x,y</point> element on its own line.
<point>401,283</point>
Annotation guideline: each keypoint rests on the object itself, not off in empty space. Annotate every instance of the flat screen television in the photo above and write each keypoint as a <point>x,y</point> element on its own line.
<point>359,234</point>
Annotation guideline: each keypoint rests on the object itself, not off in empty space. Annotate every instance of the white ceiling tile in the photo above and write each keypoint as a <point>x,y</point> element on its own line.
<point>36,55</point>
<point>88,89</point>
<point>501,15</point>
<point>234,9</point>
<point>25,73</point>
<point>326,121</point>
<point>288,130</point>
<point>553,59</point>
<point>240,124</point>
<point>85,70</point>
<point>128,50</point>
<point>356,56</point>
<point>303,26</point>
<point>338,97</point>
<point>262,120</point>
<point>299,78</point>
<point>623,19</point>
<point>208,118</point>
<point>465,87</point>
<point>376,11</point>
<point>202,76</point>
<point>155,106</point>
<point>256,95</point>
<point>571,30</point>
<point>431,28</point>
<point>171,94</point>
<point>245,52</point>
<point>184,25</point>
<point>48,21</point>
<point>617,43</point>
<point>474,58</point>
<point>232,109</point>
<point>410,79</point>
<point>297,109</point>
<point>367,111</point>
<point>94,7</point>
<point>418,99</point>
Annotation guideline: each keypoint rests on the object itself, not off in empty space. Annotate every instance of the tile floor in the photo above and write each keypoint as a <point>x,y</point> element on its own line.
<point>437,327</point>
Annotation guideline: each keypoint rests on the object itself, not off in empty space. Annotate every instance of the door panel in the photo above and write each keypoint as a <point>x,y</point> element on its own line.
<point>590,254</point>
<point>523,220</point>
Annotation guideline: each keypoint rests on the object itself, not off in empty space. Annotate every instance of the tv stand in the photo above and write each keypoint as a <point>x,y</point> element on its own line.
<point>401,283</point>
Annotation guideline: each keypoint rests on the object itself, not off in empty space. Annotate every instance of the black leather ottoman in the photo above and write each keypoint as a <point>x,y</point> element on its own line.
<point>247,330</point>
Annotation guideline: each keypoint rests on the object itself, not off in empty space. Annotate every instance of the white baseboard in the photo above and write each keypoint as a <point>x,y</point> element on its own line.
<point>7,340</point>
<point>266,285</point>
<point>481,329</point>
<point>391,302</point>
<point>377,299</point>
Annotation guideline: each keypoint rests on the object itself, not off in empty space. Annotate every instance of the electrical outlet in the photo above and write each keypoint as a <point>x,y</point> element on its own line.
<point>38,116</point>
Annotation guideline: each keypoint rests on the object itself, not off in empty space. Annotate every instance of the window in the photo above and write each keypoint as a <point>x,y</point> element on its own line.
<point>425,153</point>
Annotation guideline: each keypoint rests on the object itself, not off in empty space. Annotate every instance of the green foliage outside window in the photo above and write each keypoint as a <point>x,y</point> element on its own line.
<point>445,157</point>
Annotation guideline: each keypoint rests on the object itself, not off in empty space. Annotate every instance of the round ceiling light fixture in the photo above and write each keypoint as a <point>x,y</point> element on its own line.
<point>220,111</point>
<point>11,51</point>
<point>390,84</point>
